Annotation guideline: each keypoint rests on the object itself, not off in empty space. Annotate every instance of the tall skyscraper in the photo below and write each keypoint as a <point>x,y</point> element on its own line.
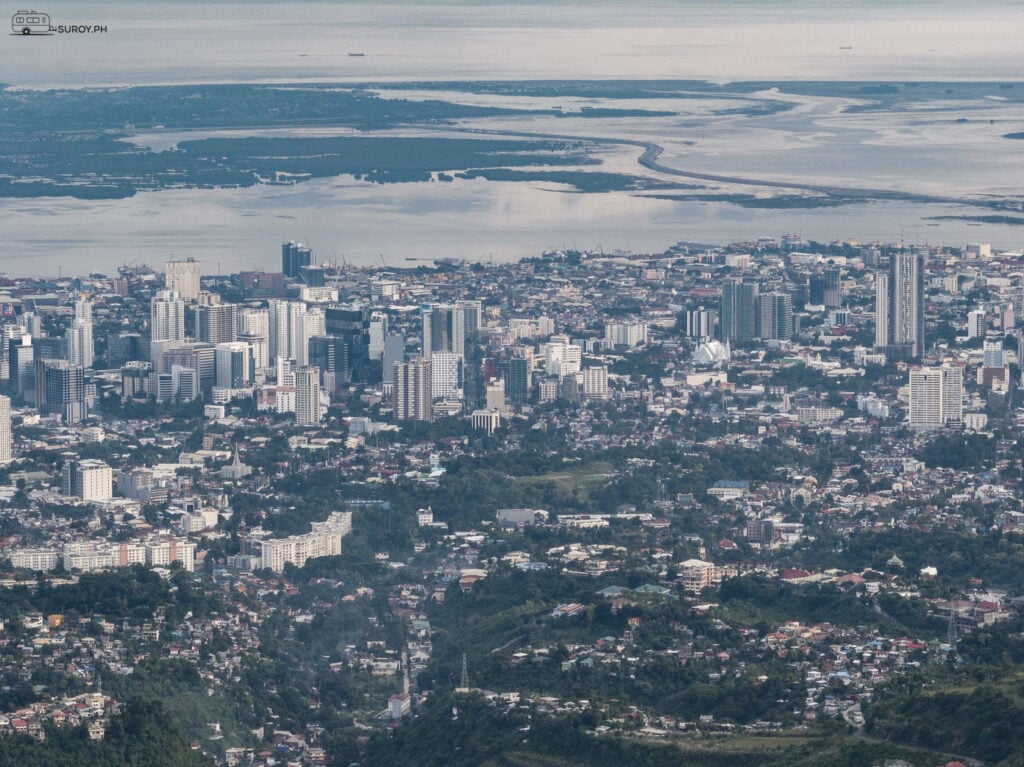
<point>517,384</point>
<point>183,278</point>
<point>738,313</point>
<point>936,397</point>
<point>899,307</point>
<point>439,328</point>
<point>294,256</point>
<point>311,324</point>
<point>775,318</point>
<point>64,390</point>
<point>167,317</point>
<point>331,355</point>
<point>833,289</point>
<point>79,335</point>
<point>285,321</point>
<point>412,382</point>
<point>307,396</point>
<point>394,352</point>
<point>700,323</point>
<point>254,329</point>
<point>446,376</point>
<point>217,323</point>
<point>6,441</point>
<point>378,331</point>
<point>233,361</point>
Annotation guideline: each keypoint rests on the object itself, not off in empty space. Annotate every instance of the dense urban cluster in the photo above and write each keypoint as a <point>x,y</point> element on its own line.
<point>757,489</point>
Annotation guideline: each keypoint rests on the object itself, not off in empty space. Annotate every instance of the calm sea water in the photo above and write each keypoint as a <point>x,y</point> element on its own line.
<point>182,42</point>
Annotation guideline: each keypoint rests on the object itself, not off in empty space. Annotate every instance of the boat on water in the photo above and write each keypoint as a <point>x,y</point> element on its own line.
<point>357,54</point>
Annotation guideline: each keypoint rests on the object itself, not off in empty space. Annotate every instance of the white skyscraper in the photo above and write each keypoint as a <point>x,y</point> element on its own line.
<point>936,396</point>
<point>79,343</point>
<point>183,278</point>
<point>254,329</point>
<point>899,311</point>
<point>6,449</point>
<point>167,317</point>
<point>79,336</point>
<point>307,396</point>
<point>312,323</point>
<point>412,390</point>
<point>285,328</point>
<point>378,332</point>
<point>446,375</point>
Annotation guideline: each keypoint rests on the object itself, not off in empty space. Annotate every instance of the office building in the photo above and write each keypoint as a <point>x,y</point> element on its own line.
<point>233,365</point>
<point>331,355</point>
<point>486,420</point>
<point>738,310</point>
<point>775,316</point>
<point>899,307</point>
<point>378,332</point>
<point>182,277</point>
<point>394,352</point>
<point>295,256</point>
<point>64,390</point>
<point>936,397</point>
<point>412,396</point>
<point>517,381</point>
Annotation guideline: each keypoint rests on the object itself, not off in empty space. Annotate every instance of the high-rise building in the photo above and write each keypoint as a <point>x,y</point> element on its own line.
<point>595,382</point>
<point>738,312</point>
<point>378,332</point>
<point>79,344</point>
<point>233,365</point>
<point>976,323</point>
<point>899,307</point>
<point>20,356</point>
<point>439,328</point>
<point>217,323</point>
<point>517,382</point>
<point>254,329</point>
<point>331,355</point>
<point>563,358</point>
<point>412,390</point>
<point>167,317</point>
<point>446,376</point>
<point>6,441</point>
<point>89,479</point>
<point>936,396</point>
<point>294,256</point>
<point>700,324</point>
<point>775,316</point>
<point>64,390</point>
<point>138,380</point>
<point>394,352</point>
<point>311,324</point>
<point>625,333</point>
<point>472,319</point>
<point>352,323</point>
<point>285,327</point>
<point>993,351</point>
<point>307,396</point>
<point>183,278</point>
<point>833,288</point>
